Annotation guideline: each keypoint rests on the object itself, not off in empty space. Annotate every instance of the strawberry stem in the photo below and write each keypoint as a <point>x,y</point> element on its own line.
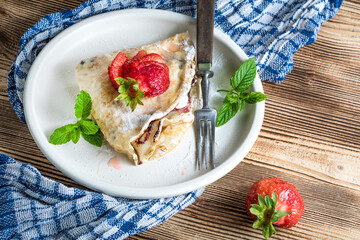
<point>129,91</point>
<point>267,214</point>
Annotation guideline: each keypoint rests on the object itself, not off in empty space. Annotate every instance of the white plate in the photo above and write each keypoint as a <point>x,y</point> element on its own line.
<point>51,90</point>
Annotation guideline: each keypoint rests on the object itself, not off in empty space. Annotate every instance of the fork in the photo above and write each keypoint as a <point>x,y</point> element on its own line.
<point>205,117</point>
<point>205,126</point>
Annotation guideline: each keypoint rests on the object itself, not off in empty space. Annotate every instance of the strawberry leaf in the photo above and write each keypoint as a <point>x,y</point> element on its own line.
<point>261,201</point>
<point>266,231</point>
<point>257,224</point>
<point>272,229</point>
<point>268,201</point>
<point>275,219</point>
<point>139,102</point>
<point>281,213</point>
<point>126,90</point>
<point>274,197</point>
<point>257,207</point>
<point>254,211</point>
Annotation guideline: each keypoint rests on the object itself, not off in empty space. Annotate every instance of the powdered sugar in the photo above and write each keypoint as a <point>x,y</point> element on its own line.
<point>189,49</point>
<point>130,123</point>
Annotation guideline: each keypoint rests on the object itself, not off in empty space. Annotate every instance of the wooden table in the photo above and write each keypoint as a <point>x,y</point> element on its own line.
<point>310,136</point>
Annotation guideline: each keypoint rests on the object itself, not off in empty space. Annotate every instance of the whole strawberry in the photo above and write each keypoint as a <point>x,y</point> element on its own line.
<point>284,208</point>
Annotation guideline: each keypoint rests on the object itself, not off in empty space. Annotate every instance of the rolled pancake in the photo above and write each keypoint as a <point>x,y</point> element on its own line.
<point>152,129</point>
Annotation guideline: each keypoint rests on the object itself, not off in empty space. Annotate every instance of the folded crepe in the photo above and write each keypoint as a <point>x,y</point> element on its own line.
<point>156,127</point>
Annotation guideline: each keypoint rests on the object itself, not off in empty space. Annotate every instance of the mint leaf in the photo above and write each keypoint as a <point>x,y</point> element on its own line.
<point>227,111</point>
<point>88,127</point>
<point>63,134</point>
<point>255,97</point>
<point>232,97</point>
<point>75,135</point>
<point>95,139</point>
<point>83,105</point>
<point>244,77</point>
<point>241,104</point>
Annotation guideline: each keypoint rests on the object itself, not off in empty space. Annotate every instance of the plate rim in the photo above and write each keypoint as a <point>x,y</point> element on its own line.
<point>146,192</point>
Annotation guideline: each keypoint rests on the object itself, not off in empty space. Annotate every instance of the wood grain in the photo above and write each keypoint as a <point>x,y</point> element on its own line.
<point>220,214</point>
<point>310,136</point>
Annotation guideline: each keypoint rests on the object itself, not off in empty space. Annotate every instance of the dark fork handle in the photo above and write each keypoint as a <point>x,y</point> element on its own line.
<point>205,30</point>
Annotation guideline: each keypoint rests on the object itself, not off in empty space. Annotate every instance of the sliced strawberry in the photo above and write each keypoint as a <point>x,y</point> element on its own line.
<point>116,68</point>
<point>140,54</point>
<point>136,58</point>
<point>153,77</point>
<point>152,57</point>
<point>149,70</point>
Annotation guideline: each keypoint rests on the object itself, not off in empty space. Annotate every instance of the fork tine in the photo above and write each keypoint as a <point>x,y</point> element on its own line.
<point>205,143</point>
<point>199,139</point>
<point>212,143</point>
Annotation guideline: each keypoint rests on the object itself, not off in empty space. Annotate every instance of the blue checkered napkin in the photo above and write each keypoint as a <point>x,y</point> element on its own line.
<point>34,207</point>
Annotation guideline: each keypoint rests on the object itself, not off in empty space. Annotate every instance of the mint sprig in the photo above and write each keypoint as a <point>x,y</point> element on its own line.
<point>129,91</point>
<point>85,127</point>
<point>236,98</point>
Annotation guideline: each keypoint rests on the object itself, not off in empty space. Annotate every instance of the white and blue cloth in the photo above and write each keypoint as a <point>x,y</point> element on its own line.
<point>34,207</point>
